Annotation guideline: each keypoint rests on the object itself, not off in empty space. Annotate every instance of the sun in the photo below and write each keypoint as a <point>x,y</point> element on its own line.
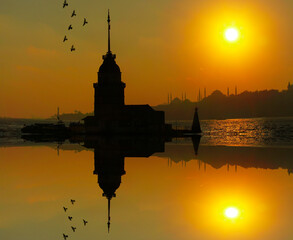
<point>231,34</point>
<point>231,212</point>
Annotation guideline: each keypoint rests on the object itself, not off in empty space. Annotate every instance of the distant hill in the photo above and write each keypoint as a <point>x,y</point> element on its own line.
<point>267,103</point>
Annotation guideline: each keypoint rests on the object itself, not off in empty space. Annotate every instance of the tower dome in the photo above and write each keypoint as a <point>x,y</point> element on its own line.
<point>109,65</point>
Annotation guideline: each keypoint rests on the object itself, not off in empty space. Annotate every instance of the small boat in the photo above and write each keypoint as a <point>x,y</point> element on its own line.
<point>45,128</point>
<point>58,128</point>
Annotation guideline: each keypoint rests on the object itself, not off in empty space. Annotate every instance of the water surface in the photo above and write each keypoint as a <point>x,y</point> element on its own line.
<point>173,190</point>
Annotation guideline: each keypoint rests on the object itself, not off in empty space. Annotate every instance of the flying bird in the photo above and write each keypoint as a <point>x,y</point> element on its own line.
<point>70,218</point>
<point>72,200</point>
<point>73,13</point>
<point>73,228</point>
<point>72,49</point>
<point>65,4</point>
<point>65,236</point>
<point>84,22</point>
<point>70,27</point>
<point>84,222</point>
<point>65,209</point>
<point>65,39</point>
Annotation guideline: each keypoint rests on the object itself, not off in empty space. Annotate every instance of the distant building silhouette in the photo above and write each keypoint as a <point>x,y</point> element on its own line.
<point>265,103</point>
<point>111,115</point>
<point>199,97</point>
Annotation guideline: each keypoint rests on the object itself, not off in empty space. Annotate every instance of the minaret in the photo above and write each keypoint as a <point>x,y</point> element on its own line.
<point>228,92</point>
<point>205,92</point>
<point>199,97</point>
<point>58,115</point>
<point>109,90</point>
<point>235,90</point>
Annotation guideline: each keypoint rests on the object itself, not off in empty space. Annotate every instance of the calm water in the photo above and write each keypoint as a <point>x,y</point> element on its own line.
<point>156,190</point>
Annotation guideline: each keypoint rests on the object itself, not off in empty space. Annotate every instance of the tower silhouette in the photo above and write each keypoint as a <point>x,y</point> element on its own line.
<point>109,90</point>
<point>109,155</point>
<point>109,166</point>
<point>111,115</point>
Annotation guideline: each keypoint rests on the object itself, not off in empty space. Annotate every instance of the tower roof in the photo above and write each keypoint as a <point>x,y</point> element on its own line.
<point>109,65</point>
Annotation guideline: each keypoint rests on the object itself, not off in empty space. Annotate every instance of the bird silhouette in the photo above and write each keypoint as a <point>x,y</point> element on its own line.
<point>65,4</point>
<point>70,27</point>
<point>73,228</point>
<point>72,49</point>
<point>72,200</point>
<point>84,222</point>
<point>73,13</point>
<point>84,22</point>
<point>70,218</point>
<point>65,209</point>
<point>65,236</point>
<point>65,39</point>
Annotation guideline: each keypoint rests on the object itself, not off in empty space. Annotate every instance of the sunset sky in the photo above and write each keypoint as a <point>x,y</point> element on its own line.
<point>161,46</point>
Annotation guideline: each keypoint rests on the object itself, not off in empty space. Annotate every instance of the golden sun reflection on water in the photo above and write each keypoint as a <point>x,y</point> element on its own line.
<point>231,34</point>
<point>231,212</point>
<point>154,201</point>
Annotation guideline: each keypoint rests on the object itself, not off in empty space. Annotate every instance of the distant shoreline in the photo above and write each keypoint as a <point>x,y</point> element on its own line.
<point>68,120</point>
<point>217,106</point>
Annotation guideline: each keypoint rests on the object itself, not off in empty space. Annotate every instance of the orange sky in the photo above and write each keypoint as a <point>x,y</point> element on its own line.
<point>161,46</point>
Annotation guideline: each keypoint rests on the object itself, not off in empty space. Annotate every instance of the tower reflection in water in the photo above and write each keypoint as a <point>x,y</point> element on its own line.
<point>109,156</point>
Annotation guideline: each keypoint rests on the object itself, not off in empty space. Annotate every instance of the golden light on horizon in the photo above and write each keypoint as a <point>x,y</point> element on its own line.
<point>231,34</point>
<point>231,212</point>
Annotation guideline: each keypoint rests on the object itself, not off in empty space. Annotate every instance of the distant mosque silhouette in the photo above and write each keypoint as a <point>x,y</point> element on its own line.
<point>111,115</point>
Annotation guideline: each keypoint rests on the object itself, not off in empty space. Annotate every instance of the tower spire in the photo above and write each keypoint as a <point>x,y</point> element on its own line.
<point>109,27</point>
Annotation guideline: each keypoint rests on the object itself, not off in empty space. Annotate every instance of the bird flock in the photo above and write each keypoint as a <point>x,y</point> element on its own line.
<point>73,228</point>
<point>70,28</point>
